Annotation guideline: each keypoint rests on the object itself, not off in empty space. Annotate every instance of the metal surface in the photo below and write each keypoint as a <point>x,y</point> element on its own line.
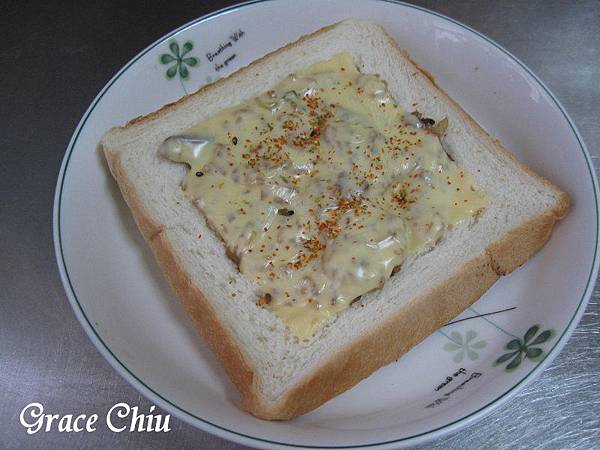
<point>54,62</point>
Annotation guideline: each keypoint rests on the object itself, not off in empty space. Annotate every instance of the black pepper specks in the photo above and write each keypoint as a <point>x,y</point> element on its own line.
<point>265,299</point>
<point>285,212</point>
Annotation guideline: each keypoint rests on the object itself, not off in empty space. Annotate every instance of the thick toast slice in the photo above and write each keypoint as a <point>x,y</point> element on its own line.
<point>280,377</point>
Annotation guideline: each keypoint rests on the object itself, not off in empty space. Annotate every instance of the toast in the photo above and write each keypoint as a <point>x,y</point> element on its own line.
<point>279,376</point>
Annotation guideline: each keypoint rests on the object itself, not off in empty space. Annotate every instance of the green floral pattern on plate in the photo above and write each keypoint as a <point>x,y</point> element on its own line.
<point>467,345</point>
<point>180,61</point>
<point>525,348</point>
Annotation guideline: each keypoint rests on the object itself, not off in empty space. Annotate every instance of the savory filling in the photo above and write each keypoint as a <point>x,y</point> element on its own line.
<point>321,187</point>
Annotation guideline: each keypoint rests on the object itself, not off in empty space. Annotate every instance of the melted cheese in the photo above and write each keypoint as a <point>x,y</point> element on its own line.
<point>320,187</point>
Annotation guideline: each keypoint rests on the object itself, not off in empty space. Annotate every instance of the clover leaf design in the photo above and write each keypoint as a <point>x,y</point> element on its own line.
<point>464,346</point>
<point>524,348</point>
<point>178,56</point>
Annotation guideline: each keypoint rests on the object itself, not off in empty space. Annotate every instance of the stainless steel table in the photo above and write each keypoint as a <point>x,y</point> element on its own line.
<point>54,60</point>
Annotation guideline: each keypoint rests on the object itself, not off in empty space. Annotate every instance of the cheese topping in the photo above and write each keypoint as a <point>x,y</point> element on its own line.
<point>320,187</point>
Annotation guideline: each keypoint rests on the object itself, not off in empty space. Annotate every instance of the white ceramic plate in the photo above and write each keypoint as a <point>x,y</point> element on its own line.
<point>450,380</point>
